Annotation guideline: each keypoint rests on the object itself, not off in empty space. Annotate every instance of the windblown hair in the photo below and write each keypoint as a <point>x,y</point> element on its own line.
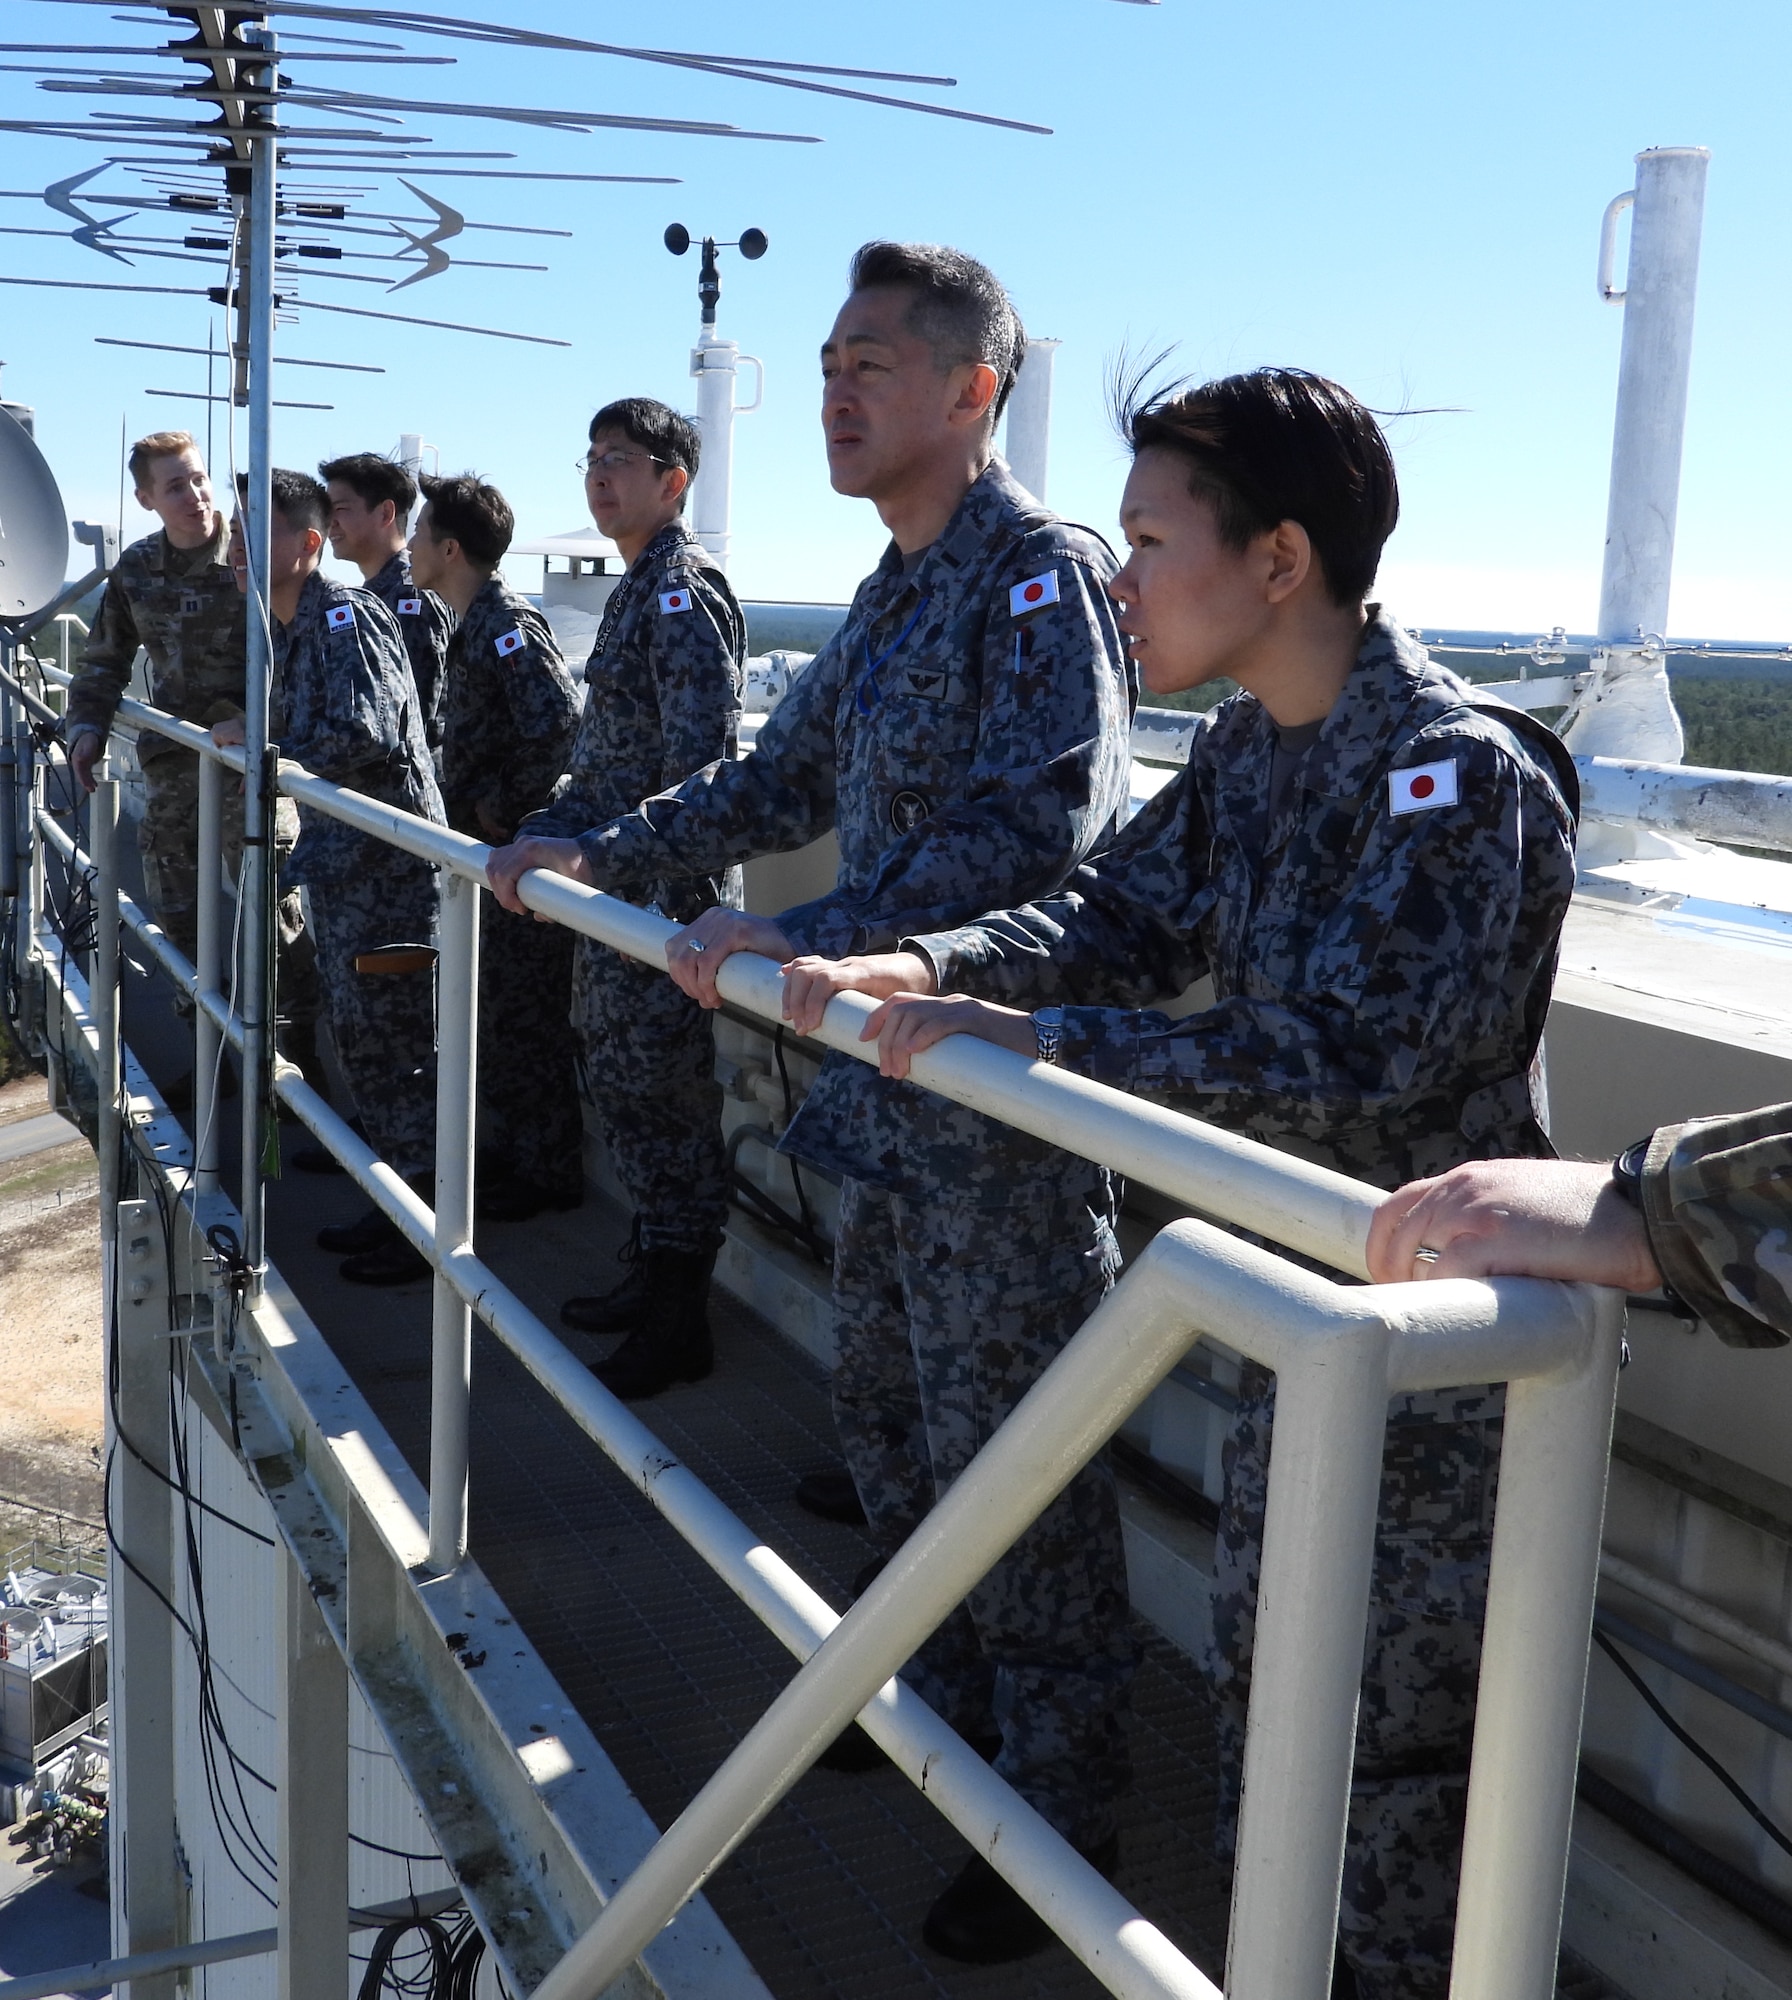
<point>958,306</point>
<point>467,510</point>
<point>298,499</point>
<point>1278,444</point>
<point>373,479</point>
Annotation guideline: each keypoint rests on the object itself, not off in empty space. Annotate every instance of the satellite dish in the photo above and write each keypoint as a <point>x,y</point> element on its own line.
<point>33,526</point>
<point>27,1624</point>
<point>678,238</point>
<point>753,243</point>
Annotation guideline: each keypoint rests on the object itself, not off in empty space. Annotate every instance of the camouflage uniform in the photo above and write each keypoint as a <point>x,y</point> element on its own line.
<point>346,708</point>
<point>965,739</point>
<point>509,711</point>
<point>426,624</point>
<point>1380,984</point>
<point>183,608</point>
<point>663,700</point>
<point>1717,1201</point>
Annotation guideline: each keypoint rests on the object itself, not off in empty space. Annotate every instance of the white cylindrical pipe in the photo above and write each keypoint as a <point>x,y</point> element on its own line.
<point>207,1140</point>
<point>1658,298</point>
<point>1553,1467</point>
<point>1030,418</point>
<point>451,1374</point>
<point>714,362</point>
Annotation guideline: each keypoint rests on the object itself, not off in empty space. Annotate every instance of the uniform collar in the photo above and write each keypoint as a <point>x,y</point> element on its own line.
<point>992,507</point>
<point>674,539</point>
<point>395,569</point>
<point>493,594</point>
<point>1392,670</point>
<point>216,551</point>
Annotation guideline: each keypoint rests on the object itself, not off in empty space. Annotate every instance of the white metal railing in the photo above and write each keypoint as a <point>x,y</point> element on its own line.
<point>1339,1353</point>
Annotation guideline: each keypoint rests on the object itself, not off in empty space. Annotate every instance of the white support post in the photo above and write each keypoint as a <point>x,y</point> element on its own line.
<point>313,1921</point>
<point>1306,1666</point>
<point>257,978</point>
<point>1534,1671</point>
<point>9,784</point>
<point>451,1375</point>
<point>714,362</point>
<point>1029,434</point>
<point>1628,711</point>
<point>206,1039</point>
<point>145,1898</point>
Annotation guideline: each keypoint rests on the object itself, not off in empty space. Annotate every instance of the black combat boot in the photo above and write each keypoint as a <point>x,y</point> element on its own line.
<point>624,1306</point>
<point>672,1342</point>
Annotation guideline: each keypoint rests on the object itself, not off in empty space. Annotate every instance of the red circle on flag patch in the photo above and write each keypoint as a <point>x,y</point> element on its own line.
<point>1033,592</point>
<point>1422,788</point>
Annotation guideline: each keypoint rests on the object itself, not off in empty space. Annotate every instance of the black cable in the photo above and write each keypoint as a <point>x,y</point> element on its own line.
<point>1690,1742</point>
<point>796,1177</point>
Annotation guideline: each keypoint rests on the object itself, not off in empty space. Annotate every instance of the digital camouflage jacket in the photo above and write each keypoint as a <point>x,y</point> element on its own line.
<point>663,688</point>
<point>183,608</point>
<point>966,735</point>
<point>346,708</point>
<point>509,712</point>
<point>1717,1199</point>
<point>1381,953</point>
<point>425,623</point>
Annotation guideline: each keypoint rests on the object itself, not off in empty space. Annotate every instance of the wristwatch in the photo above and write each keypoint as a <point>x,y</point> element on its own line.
<point>1048,1032</point>
<point>1627,1181</point>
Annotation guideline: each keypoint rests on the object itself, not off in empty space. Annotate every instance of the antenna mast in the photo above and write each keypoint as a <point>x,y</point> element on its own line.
<point>715,361</point>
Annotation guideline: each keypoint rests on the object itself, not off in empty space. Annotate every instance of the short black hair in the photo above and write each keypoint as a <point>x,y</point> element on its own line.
<point>373,479</point>
<point>467,510</point>
<point>299,500</point>
<point>1278,444</point>
<point>657,429</point>
<point>959,306</point>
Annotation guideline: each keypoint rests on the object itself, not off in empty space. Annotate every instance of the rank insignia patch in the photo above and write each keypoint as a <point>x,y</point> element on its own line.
<point>1033,595</point>
<point>1422,787</point>
<point>189,607</point>
<point>509,642</point>
<point>340,617</point>
<point>675,600</point>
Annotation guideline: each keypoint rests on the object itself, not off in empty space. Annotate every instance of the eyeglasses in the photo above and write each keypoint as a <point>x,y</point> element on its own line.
<point>614,461</point>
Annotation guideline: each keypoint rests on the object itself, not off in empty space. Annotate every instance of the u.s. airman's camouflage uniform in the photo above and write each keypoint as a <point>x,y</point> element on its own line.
<point>426,624</point>
<point>346,708</point>
<point>1380,984</point>
<point>509,713</point>
<point>965,739</point>
<point>183,608</point>
<point>1717,1202</point>
<point>663,687</point>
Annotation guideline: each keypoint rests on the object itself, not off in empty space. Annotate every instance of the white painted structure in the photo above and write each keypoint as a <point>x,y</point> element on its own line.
<point>1029,419</point>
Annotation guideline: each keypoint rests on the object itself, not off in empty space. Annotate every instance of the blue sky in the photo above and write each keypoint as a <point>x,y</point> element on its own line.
<point>1404,196</point>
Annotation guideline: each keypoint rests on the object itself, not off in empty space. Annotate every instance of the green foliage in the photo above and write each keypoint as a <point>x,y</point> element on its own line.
<point>1737,725</point>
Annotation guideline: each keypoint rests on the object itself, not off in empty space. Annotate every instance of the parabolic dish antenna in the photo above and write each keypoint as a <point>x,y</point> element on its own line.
<point>33,526</point>
<point>23,1624</point>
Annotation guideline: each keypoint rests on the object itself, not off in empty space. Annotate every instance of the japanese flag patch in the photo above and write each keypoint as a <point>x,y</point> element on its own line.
<point>340,617</point>
<point>509,642</point>
<point>1422,787</point>
<point>1033,595</point>
<point>410,607</point>
<point>674,600</point>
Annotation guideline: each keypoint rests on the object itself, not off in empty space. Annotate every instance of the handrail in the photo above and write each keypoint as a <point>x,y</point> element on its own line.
<point>1338,1352</point>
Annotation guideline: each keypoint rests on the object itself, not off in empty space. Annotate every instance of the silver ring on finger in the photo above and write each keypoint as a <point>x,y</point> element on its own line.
<point>695,944</point>
<point>1424,1254</point>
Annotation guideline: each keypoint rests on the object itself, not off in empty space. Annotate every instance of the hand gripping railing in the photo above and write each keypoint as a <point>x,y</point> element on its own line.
<point>1338,1352</point>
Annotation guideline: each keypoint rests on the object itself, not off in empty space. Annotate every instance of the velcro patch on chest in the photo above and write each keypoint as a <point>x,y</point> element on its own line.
<point>1422,787</point>
<point>674,600</point>
<point>1033,595</point>
<point>509,642</point>
<point>340,617</point>
<point>190,606</point>
<point>410,607</point>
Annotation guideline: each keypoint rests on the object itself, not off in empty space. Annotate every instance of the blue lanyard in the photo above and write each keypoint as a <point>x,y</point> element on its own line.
<point>870,692</point>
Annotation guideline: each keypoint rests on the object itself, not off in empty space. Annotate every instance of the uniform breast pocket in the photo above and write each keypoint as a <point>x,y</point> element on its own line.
<point>922,752</point>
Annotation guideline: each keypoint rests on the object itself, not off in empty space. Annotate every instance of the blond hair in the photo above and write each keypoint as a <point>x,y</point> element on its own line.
<point>158,444</point>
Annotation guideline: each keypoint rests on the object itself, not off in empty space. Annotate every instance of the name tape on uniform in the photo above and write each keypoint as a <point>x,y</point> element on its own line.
<point>1033,595</point>
<point>1422,787</point>
<point>410,607</point>
<point>675,600</point>
<point>509,642</point>
<point>340,617</point>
